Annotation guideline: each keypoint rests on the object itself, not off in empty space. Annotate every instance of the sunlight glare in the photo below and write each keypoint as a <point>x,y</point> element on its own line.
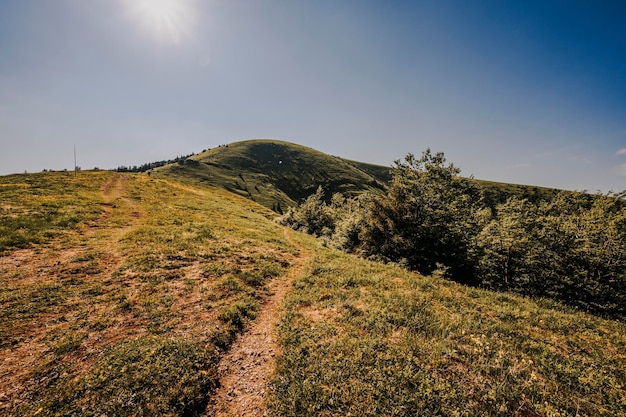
<point>167,20</point>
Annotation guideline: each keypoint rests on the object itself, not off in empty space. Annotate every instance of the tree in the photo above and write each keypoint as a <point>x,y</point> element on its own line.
<point>508,247</point>
<point>426,219</point>
<point>312,216</point>
<point>586,235</point>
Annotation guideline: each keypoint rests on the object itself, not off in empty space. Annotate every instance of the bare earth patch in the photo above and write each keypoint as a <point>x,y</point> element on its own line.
<point>247,367</point>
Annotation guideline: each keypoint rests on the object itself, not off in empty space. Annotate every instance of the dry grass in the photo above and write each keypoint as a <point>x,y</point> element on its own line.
<point>147,266</point>
<point>365,339</point>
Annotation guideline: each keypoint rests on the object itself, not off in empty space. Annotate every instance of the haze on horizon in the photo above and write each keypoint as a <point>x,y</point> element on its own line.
<point>527,92</point>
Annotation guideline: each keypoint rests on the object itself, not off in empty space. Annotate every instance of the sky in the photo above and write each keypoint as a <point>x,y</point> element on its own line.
<point>527,92</point>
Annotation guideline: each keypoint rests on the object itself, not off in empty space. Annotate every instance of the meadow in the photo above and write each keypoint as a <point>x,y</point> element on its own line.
<point>367,339</point>
<point>121,293</point>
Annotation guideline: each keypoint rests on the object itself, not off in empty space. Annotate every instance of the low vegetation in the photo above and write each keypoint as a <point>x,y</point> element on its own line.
<point>368,339</point>
<point>127,311</point>
<point>121,292</point>
<point>36,208</point>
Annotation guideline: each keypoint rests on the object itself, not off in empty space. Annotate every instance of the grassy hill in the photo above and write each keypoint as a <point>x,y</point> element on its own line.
<point>118,293</point>
<point>121,294</point>
<point>280,174</point>
<point>276,173</point>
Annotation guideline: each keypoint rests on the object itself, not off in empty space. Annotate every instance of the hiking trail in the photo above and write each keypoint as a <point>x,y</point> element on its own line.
<point>247,367</point>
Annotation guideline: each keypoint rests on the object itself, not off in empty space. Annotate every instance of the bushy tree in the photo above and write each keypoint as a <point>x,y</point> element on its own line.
<point>572,249</point>
<point>585,237</point>
<point>426,218</point>
<point>350,219</point>
<point>313,216</point>
<point>510,255</point>
<point>339,222</point>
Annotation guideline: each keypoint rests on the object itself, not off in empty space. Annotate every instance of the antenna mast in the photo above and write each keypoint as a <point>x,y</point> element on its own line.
<point>75,161</point>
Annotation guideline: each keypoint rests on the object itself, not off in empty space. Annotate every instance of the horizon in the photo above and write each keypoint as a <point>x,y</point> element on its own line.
<point>526,94</point>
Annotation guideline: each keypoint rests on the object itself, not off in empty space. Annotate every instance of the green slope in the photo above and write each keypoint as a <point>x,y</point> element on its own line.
<point>119,295</point>
<point>280,174</point>
<point>366,339</point>
<point>276,173</point>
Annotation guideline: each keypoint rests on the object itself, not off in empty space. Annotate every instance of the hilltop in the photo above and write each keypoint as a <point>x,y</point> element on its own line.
<point>280,174</point>
<point>276,173</point>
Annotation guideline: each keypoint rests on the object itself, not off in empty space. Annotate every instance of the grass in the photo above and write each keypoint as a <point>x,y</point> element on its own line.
<point>150,375</point>
<point>276,173</point>
<point>127,311</point>
<point>364,339</point>
<point>120,293</point>
<point>37,208</point>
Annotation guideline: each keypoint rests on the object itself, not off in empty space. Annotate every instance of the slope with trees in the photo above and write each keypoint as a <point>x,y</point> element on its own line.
<point>571,247</point>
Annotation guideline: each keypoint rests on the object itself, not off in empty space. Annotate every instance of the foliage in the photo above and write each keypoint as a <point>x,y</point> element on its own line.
<point>508,244</point>
<point>313,216</point>
<point>339,222</point>
<point>572,249</point>
<point>570,246</point>
<point>425,219</point>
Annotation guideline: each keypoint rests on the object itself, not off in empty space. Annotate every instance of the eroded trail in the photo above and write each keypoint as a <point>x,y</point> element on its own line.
<point>246,369</point>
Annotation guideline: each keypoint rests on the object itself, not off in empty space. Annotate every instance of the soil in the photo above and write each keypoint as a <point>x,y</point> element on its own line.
<point>246,369</point>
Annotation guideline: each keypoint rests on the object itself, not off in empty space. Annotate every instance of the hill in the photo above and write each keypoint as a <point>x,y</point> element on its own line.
<point>119,291</point>
<point>122,294</point>
<point>280,174</point>
<point>275,173</point>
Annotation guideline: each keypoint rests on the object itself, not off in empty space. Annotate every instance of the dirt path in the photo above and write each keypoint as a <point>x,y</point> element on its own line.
<point>247,367</point>
<point>27,268</point>
<point>116,187</point>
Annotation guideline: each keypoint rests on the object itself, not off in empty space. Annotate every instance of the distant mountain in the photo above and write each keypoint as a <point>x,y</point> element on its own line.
<point>277,174</point>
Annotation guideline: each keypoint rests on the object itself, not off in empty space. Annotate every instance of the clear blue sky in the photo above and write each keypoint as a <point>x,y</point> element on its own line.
<point>529,92</point>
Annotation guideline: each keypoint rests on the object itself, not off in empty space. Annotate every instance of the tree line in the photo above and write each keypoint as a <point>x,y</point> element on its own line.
<point>152,165</point>
<point>570,247</point>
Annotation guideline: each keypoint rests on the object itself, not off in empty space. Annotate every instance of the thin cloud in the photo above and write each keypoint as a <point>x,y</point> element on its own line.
<point>621,152</point>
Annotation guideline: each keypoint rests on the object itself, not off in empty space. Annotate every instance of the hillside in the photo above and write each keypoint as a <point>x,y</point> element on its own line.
<point>127,294</point>
<point>280,174</point>
<point>366,339</point>
<point>119,292</point>
<point>274,173</point>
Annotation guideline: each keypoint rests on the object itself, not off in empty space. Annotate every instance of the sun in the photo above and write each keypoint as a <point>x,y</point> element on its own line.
<point>166,20</point>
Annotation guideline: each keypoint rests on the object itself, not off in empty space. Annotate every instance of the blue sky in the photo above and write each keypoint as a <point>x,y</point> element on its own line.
<point>530,92</point>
